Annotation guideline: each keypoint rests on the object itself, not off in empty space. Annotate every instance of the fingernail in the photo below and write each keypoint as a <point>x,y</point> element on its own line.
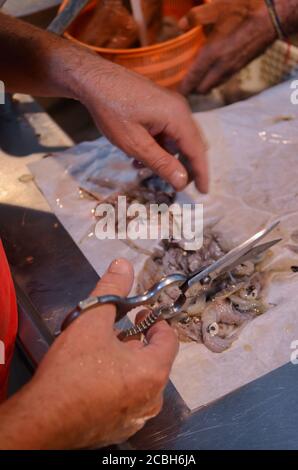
<point>179,179</point>
<point>119,266</point>
<point>203,187</point>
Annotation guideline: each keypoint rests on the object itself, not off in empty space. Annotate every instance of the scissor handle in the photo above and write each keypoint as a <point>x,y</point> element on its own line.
<point>124,304</point>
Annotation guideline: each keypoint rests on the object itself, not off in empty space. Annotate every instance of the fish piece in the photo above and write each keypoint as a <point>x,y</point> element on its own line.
<point>215,250</point>
<point>244,269</point>
<point>175,260</point>
<point>196,308</point>
<point>187,329</point>
<point>225,330</point>
<point>225,291</point>
<point>220,311</point>
<point>216,343</point>
<point>253,306</point>
<point>194,261</point>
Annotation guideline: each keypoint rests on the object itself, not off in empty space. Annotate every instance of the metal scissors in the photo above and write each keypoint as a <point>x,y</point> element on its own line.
<point>207,274</point>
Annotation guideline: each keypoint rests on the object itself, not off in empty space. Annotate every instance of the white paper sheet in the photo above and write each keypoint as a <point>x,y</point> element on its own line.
<point>254,168</point>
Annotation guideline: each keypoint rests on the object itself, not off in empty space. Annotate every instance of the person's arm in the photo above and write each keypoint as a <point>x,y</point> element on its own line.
<point>129,109</point>
<point>238,32</point>
<point>91,389</point>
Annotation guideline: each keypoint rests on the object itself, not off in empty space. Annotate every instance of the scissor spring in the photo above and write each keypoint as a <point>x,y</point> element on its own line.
<point>143,326</point>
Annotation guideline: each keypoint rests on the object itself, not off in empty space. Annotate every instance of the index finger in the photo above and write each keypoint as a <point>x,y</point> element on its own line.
<point>162,347</point>
<point>191,142</point>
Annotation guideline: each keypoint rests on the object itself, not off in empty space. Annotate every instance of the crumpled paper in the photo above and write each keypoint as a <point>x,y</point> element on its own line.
<point>254,173</point>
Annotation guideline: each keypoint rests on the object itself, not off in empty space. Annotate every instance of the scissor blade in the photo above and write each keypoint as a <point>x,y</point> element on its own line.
<point>228,260</point>
<point>257,251</point>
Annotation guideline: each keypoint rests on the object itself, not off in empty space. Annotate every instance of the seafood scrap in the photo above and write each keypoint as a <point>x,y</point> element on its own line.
<point>147,189</point>
<point>215,312</point>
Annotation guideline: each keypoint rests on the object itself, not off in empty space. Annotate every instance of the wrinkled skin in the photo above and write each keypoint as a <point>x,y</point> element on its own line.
<point>238,32</point>
<point>132,112</point>
<point>91,389</point>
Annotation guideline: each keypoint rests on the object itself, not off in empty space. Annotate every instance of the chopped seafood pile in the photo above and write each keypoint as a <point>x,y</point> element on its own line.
<point>147,189</point>
<point>214,312</point>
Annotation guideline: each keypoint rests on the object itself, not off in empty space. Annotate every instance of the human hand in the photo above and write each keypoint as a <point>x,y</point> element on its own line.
<point>132,111</point>
<point>240,31</point>
<point>110,25</point>
<point>91,389</point>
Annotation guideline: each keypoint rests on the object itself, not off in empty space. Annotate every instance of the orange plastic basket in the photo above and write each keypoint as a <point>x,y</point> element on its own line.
<point>166,63</point>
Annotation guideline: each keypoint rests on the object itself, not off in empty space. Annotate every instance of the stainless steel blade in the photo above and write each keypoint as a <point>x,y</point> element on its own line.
<point>232,257</point>
<point>258,250</point>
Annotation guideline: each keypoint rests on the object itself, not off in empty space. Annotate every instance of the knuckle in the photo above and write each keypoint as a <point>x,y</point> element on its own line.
<point>130,143</point>
<point>162,165</point>
<point>147,146</point>
<point>181,103</point>
<point>131,148</point>
<point>143,149</point>
<point>109,286</point>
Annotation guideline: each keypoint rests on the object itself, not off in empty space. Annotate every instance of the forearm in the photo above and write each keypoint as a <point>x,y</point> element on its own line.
<point>27,422</point>
<point>39,63</point>
<point>288,13</point>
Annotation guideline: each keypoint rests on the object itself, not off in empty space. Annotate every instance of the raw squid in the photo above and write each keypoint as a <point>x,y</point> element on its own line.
<point>216,313</point>
<point>213,313</point>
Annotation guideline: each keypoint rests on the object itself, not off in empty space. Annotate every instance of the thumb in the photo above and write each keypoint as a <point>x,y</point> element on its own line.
<point>117,280</point>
